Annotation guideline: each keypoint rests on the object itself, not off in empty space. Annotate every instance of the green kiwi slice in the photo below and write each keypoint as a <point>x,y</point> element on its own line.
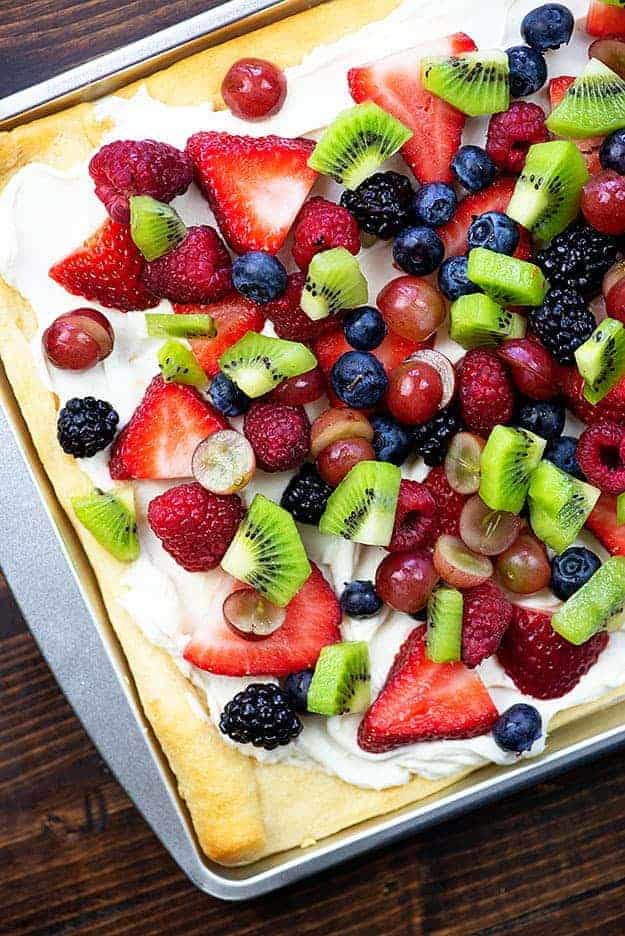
<point>506,280</point>
<point>267,552</point>
<point>594,105</point>
<point>334,282</point>
<point>601,359</point>
<point>597,603</point>
<point>162,325</point>
<point>477,321</point>
<point>257,363</point>
<point>559,505</point>
<point>508,460</point>
<point>155,227</point>
<point>476,83</point>
<point>548,192</point>
<point>341,683</point>
<point>356,144</point>
<point>444,630</point>
<point>362,508</point>
<point>110,518</point>
<point>179,365</point>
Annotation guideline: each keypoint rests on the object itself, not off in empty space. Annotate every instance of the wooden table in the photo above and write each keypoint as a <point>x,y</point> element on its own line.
<point>75,856</point>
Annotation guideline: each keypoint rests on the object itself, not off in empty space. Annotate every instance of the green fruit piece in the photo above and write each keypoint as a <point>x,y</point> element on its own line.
<point>478,322</point>
<point>559,506</point>
<point>110,518</point>
<point>357,143</point>
<point>475,83</point>
<point>162,325</point>
<point>620,510</point>
<point>362,508</point>
<point>508,460</point>
<point>341,683</point>
<point>548,192</point>
<point>179,365</point>
<point>594,105</point>
<point>444,633</point>
<point>462,463</point>
<point>154,227</point>
<point>601,359</point>
<point>506,280</point>
<point>334,281</point>
<point>267,552</point>
<point>595,606</point>
<point>257,363</point>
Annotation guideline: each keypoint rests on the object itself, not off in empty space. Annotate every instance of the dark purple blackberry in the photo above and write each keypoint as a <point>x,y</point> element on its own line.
<point>306,495</point>
<point>578,258</point>
<point>432,439</point>
<point>563,323</point>
<point>86,426</point>
<point>382,204</point>
<point>261,715</point>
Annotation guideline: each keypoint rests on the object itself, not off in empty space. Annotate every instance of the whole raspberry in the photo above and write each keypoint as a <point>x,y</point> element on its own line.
<point>540,662</point>
<point>415,522</point>
<point>485,392</point>
<point>511,134</point>
<point>195,526</point>
<point>289,321</point>
<point>486,616</point>
<point>279,435</point>
<point>138,167</point>
<point>196,271</point>
<point>322,225</point>
<point>598,454</point>
<point>449,503</point>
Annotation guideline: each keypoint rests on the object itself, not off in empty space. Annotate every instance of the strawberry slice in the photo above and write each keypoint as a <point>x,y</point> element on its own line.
<point>605,20</point>
<point>311,623</point>
<point>394,83</point>
<point>165,429</point>
<point>602,523</point>
<point>425,701</point>
<point>234,317</point>
<point>494,198</point>
<point>558,88</point>
<point>393,351</point>
<point>255,185</point>
<point>106,269</point>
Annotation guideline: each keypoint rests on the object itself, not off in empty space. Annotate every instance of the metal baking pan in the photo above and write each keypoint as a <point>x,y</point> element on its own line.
<point>56,589</point>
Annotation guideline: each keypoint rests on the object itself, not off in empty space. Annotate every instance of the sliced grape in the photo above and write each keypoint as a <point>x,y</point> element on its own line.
<point>252,616</point>
<point>445,368</point>
<point>462,464</point>
<point>458,566</point>
<point>485,531</point>
<point>335,424</point>
<point>224,463</point>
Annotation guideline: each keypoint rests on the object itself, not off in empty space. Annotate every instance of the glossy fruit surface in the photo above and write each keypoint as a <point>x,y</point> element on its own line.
<point>334,424</point>
<point>254,89</point>
<point>458,566</point>
<point>485,531</point>
<point>411,307</point>
<point>296,391</point>
<point>603,202</point>
<point>414,392</point>
<point>78,340</point>
<point>446,371</point>
<point>533,370</point>
<point>252,616</point>
<point>224,463</point>
<point>524,567</point>
<point>338,459</point>
<point>462,463</point>
<point>405,580</point>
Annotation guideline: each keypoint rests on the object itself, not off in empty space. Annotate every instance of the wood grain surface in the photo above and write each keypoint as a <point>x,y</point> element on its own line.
<point>75,856</point>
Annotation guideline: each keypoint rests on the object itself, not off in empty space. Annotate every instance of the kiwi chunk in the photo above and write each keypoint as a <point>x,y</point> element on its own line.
<point>594,105</point>
<point>178,364</point>
<point>341,683</point>
<point>477,321</point>
<point>334,282</point>
<point>267,552</point>
<point>162,325</point>
<point>444,633</point>
<point>506,280</point>
<point>597,603</point>
<point>110,518</point>
<point>559,505</point>
<point>155,227</point>
<point>475,83</point>
<point>601,359</point>
<point>356,144</point>
<point>508,460</point>
<point>362,508</point>
<point>548,192</point>
<point>257,363</point>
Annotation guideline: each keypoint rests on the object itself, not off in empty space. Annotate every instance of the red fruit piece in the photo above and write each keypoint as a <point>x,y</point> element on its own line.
<point>289,321</point>
<point>163,433</point>
<point>603,202</point>
<point>336,460</point>
<point>599,458</point>
<point>425,701</point>
<point>615,301</point>
<point>195,526</point>
<point>602,524</point>
<point>106,269</point>
<point>416,525</point>
<point>279,435</point>
<point>138,167</point>
<point>449,503</point>
<point>494,198</point>
<point>322,225</point>
<point>611,408</point>
<point>414,394</point>
<point>485,393</point>
<point>391,353</point>
<point>198,270</point>
<point>558,88</point>
<point>255,205</point>
<point>540,662</point>
<point>234,316</point>
<point>296,391</point>
<point>605,20</point>
<point>486,616</point>
<point>78,340</point>
<point>394,84</point>
<point>311,623</point>
<point>534,372</point>
<point>511,134</point>
<point>253,89</point>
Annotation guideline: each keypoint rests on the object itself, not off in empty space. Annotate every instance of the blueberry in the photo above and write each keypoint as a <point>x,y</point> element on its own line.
<point>434,204</point>
<point>453,279</point>
<point>359,600</point>
<point>562,452</point>
<point>548,27</point>
<point>518,728</point>
<point>226,396</point>
<point>571,570</point>
<point>364,328</point>
<point>494,231</point>
<point>473,168</point>
<point>544,417</point>
<point>296,686</point>
<point>612,152</point>
<point>528,70</point>
<point>392,442</point>
<point>359,379</point>
<point>259,276</point>
<point>418,250</point>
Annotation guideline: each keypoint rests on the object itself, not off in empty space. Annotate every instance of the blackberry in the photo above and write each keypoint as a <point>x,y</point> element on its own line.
<point>563,323</point>
<point>306,495</point>
<point>578,258</point>
<point>86,426</point>
<point>382,204</point>
<point>432,439</point>
<point>261,715</point>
